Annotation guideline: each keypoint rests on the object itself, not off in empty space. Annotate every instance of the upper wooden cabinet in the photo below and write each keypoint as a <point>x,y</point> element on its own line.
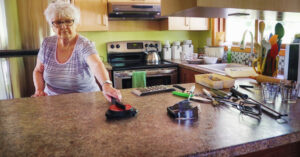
<point>93,15</point>
<point>185,23</point>
<point>137,1</point>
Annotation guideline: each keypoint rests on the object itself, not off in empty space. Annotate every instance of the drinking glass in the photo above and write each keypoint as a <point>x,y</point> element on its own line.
<point>289,93</point>
<point>269,92</point>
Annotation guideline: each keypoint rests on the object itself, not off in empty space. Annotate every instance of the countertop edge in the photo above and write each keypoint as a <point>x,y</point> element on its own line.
<point>186,65</point>
<point>254,146</point>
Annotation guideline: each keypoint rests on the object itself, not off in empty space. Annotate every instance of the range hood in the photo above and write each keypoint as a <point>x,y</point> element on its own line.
<point>133,11</point>
<point>279,10</point>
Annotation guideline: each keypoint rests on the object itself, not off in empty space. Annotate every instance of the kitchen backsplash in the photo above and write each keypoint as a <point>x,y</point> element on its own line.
<point>243,58</point>
<point>101,38</point>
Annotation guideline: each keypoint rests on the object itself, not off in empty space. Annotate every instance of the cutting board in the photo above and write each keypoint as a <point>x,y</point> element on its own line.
<point>240,72</point>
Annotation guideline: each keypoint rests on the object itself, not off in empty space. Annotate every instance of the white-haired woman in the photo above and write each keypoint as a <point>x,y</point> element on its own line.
<point>68,62</point>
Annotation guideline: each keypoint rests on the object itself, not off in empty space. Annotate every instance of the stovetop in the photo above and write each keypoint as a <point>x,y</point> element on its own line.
<point>141,65</point>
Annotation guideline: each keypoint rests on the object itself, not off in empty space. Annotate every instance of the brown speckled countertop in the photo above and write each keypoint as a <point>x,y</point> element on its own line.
<point>205,68</point>
<point>75,125</point>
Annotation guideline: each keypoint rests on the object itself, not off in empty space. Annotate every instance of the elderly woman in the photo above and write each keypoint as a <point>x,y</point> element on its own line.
<point>68,62</point>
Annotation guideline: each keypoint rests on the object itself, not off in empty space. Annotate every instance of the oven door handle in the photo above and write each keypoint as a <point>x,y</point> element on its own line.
<point>148,73</point>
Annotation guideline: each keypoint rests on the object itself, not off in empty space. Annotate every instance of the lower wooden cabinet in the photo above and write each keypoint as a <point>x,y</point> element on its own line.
<point>187,75</point>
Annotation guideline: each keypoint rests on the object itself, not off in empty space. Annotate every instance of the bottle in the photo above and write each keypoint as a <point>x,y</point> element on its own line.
<point>229,55</point>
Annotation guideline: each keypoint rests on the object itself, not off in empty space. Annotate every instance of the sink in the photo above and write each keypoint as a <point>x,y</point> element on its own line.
<point>220,68</point>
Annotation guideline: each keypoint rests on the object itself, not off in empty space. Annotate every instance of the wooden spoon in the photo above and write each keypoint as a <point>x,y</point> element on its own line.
<point>261,29</point>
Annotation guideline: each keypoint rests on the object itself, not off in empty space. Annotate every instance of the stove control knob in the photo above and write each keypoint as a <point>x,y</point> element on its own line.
<point>118,46</point>
<point>156,45</point>
<point>151,45</point>
<point>146,45</point>
<point>112,46</point>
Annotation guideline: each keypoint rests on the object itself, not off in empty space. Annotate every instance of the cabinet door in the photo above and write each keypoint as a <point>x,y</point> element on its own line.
<point>178,23</point>
<point>198,23</point>
<point>93,15</point>
<point>187,75</point>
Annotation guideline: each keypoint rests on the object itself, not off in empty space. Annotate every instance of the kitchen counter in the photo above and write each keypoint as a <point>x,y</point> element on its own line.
<point>75,125</point>
<point>218,68</point>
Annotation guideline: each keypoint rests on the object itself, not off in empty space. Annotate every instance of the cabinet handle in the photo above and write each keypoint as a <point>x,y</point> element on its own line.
<point>104,20</point>
<point>185,22</point>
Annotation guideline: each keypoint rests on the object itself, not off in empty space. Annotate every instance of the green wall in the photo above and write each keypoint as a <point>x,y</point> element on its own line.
<point>101,38</point>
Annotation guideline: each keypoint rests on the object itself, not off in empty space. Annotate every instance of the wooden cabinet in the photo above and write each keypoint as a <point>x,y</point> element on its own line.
<point>198,23</point>
<point>137,1</point>
<point>185,23</point>
<point>187,75</point>
<point>93,15</point>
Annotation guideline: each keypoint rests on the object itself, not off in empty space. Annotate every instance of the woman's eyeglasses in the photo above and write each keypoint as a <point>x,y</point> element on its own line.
<point>65,22</point>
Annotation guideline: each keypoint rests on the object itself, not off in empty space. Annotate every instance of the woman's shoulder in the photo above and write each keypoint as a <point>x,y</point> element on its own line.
<point>50,41</point>
<point>84,41</point>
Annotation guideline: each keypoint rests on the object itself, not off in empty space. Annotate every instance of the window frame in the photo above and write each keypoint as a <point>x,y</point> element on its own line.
<point>219,25</point>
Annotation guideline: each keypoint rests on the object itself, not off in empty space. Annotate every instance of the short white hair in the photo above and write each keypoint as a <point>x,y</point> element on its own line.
<point>62,9</point>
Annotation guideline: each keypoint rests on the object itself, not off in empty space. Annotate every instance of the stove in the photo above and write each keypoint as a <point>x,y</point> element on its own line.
<point>125,57</point>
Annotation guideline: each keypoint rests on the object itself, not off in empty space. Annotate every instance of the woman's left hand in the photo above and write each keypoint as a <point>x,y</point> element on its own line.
<point>109,91</point>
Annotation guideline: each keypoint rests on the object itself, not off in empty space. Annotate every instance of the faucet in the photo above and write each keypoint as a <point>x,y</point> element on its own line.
<point>242,46</point>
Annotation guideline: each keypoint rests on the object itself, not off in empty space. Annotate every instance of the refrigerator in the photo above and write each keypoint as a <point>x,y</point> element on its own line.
<point>22,30</point>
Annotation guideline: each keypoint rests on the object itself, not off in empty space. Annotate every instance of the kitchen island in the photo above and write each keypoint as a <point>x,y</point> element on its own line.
<point>75,125</point>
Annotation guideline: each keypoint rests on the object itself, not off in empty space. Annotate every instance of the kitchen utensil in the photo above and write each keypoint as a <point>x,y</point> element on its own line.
<point>191,92</point>
<point>266,46</point>
<point>152,57</point>
<point>264,78</point>
<point>193,97</point>
<point>264,108</point>
<point>261,29</point>
<point>279,30</point>
<point>273,39</point>
<point>214,101</point>
<point>246,86</point>
<point>179,87</point>
<point>118,110</point>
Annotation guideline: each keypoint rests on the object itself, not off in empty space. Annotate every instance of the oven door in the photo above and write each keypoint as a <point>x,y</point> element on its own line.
<point>158,76</point>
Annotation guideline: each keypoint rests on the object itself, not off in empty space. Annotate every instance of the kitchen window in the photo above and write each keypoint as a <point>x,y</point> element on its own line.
<point>236,26</point>
<point>3,30</point>
<point>290,29</point>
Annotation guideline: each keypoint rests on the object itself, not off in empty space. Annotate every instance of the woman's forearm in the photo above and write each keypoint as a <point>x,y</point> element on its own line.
<point>100,72</point>
<point>98,68</point>
<point>38,80</point>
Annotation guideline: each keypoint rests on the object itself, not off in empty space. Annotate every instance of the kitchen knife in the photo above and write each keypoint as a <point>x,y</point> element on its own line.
<point>193,98</point>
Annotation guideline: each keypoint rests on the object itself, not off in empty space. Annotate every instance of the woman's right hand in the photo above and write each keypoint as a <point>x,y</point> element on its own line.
<point>39,93</point>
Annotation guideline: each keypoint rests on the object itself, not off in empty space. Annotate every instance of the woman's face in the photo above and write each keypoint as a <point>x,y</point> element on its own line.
<point>64,27</point>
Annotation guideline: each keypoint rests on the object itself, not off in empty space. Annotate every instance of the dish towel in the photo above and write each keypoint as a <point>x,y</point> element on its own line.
<point>138,79</point>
